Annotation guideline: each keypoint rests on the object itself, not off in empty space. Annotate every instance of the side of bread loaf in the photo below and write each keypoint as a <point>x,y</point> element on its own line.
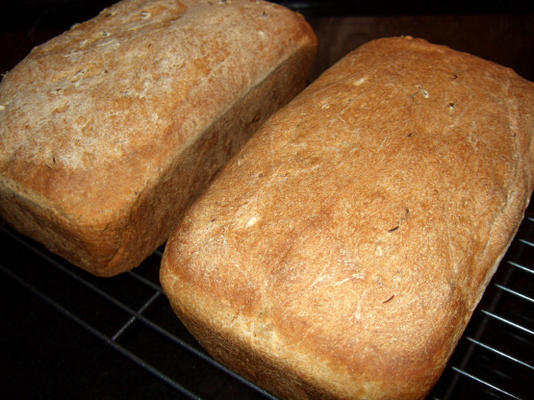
<point>109,130</point>
<point>341,253</point>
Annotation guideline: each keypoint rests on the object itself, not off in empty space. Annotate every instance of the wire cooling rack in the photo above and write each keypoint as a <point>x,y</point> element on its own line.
<point>124,326</point>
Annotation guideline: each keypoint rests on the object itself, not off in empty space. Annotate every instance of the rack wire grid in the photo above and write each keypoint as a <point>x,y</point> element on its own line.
<point>67,332</point>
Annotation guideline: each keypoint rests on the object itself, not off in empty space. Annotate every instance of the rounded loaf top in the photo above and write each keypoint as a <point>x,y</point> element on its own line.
<point>106,104</point>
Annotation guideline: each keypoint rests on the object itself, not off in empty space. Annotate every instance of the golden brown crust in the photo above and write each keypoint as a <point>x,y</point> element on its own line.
<point>97,122</point>
<point>347,244</point>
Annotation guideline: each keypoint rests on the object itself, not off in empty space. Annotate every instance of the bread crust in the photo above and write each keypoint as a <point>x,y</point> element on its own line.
<point>341,253</point>
<point>110,129</point>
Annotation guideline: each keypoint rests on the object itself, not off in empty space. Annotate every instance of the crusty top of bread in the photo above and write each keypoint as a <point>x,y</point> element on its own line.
<point>352,237</point>
<point>91,118</point>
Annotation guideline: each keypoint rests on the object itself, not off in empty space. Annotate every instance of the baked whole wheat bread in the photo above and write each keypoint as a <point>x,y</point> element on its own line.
<point>341,253</point>
<point>109,130</point>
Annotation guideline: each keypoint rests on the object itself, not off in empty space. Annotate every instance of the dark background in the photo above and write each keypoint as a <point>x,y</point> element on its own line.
<point>44,354</point>
<point>501,31</point>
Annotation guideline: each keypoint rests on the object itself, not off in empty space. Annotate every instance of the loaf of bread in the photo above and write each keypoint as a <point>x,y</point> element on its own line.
<point>109,130</point>
<point>341,253</point>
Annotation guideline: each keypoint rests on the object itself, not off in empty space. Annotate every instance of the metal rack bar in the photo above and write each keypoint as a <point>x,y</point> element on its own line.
<point>519,266</point>
<point>500,353</point>
<point>132,319</point>
<point>483,382</point>
<point>528,243</point>
<point>507,321</point>
<point>515,293</point>
<point>145,281</point>
<point>131,356</point>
